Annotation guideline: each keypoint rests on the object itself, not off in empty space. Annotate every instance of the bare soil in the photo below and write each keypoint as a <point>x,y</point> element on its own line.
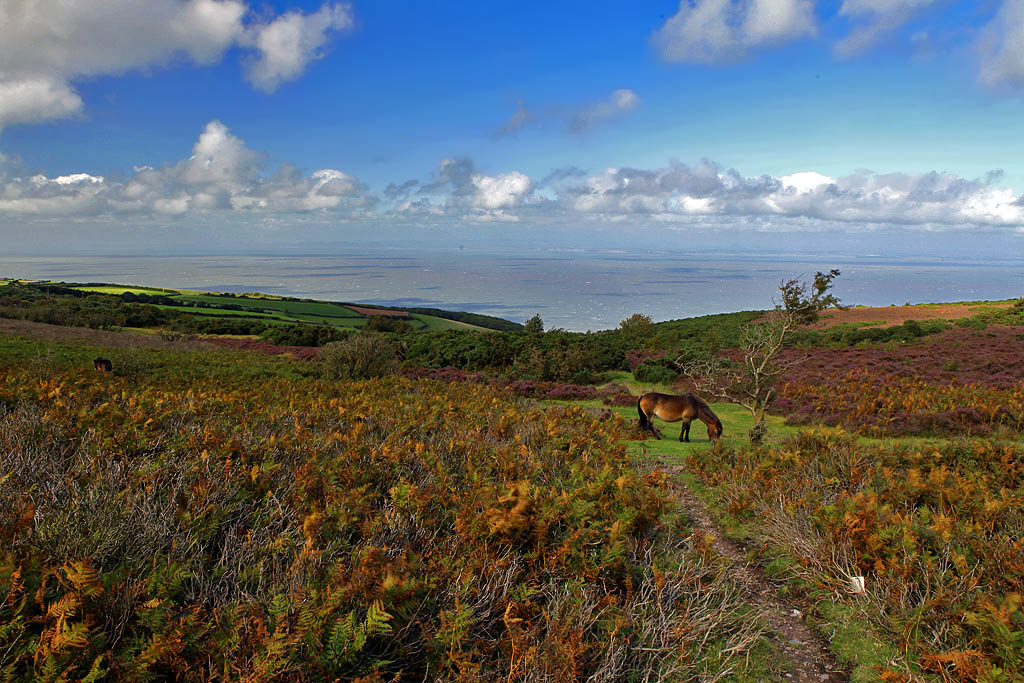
<point>808,659</point>
<point>897,315</point>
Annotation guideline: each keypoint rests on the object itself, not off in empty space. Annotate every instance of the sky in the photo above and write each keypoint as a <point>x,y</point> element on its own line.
<point>186,126</point>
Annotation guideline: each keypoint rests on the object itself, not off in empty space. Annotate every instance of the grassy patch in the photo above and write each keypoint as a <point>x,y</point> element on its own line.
<point>117,289</point>
<point>433,323</point>
<point>856,644</point>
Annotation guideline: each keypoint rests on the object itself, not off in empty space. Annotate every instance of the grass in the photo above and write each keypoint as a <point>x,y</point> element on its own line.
<point>268,307</point>
<point>334,314</point>
<point>434,324</point>
<point>116,289</point>
<point>308,308</point>
<point>736,421</point>
<point>854,643</point>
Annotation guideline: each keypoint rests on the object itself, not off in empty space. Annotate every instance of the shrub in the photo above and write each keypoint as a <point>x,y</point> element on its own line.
<point>362,356</point>
<point>652,371</point>
<point>382,323</point>
<point>303,335</point>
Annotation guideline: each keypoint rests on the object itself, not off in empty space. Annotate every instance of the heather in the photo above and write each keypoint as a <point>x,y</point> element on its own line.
<point>961,381</point>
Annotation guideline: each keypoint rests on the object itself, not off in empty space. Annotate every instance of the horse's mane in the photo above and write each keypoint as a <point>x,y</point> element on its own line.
<point>705,410</point>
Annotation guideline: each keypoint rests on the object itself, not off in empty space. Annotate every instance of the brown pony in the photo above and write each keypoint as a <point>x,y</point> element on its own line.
<point>102,364</point>
<point>674,408</point>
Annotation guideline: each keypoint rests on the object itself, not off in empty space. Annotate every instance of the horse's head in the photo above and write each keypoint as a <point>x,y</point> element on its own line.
<point>715,431</point>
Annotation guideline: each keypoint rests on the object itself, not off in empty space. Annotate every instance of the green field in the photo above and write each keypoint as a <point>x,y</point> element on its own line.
<point>273,309</point>
<point>117,289</point>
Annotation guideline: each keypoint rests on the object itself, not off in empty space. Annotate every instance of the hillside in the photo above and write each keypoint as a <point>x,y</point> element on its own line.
<point>105,305</point>
<point>487,509</point>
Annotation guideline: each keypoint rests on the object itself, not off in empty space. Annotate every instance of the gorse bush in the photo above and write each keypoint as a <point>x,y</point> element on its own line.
<point>181,526</point>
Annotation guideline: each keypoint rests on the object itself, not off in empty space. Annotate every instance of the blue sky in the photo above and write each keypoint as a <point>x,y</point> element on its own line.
<point>309,122</point>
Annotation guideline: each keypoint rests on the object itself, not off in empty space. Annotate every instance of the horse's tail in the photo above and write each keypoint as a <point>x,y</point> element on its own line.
<point>643,415</point>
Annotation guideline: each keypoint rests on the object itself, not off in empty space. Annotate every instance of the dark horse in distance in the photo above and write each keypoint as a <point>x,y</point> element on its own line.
<point>675,408</point>
<point>103,364</point>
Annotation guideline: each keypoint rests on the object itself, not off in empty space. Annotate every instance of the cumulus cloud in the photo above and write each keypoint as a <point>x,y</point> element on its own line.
<point>48,44</point>
<point>460,190</point>
<point>290,42</point>
<point>721,31</point>
<point>680,192</point>
<point>221,174</point>
<point>501,191</point>
<point>875,19</point>
<point>1001,46</point>
<point>36,99</point>
<point>618,103</point>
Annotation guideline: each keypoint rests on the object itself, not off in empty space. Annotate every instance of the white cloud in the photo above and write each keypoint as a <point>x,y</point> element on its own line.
<point>720,31</point>
<point>223,177</point>
<point>501,191</point>
<point>1001,46</point>
<point>805,181</point>
<point>681,193</point>
<point>222,174</point>
<point>49,44</point>
<point>878,18</point>
<point>619,102</point>
<point>36,99</point>
<point>290,42</point>
<point>220,159</point>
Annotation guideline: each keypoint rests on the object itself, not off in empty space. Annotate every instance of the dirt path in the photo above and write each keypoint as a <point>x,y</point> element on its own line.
<point>807,655</point>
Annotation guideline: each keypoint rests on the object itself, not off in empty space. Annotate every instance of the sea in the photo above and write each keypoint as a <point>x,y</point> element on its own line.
<point>572,289</point>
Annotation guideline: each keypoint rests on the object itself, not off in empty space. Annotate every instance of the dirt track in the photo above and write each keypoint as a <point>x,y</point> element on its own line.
<point>806,653</point>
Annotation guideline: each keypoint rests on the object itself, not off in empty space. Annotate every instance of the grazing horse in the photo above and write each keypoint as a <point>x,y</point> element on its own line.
<point>102,364</point>
<point>675,408</point>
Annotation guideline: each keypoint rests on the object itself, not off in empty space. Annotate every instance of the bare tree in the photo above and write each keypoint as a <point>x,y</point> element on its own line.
<point>751,381</point>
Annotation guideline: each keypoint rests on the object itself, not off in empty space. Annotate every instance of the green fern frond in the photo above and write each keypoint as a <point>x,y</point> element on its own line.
<point>278,608</point>
<point>96,671</point>
<point>377,620</point>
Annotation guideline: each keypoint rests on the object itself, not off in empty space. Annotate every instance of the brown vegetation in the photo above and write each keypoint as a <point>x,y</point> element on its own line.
<point>378,311</point>
<point>897,315</point>
<point>85,335</point>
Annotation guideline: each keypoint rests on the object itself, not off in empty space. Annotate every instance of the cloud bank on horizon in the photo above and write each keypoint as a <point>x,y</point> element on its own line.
<point>51,50</point>
<point>223,176</point>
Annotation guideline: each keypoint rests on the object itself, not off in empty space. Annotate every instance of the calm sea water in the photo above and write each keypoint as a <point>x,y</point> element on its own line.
<point>572,289</point>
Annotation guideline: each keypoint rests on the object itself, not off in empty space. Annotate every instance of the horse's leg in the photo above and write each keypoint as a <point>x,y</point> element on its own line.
<point>650,425</point>
<point>684,433</point>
